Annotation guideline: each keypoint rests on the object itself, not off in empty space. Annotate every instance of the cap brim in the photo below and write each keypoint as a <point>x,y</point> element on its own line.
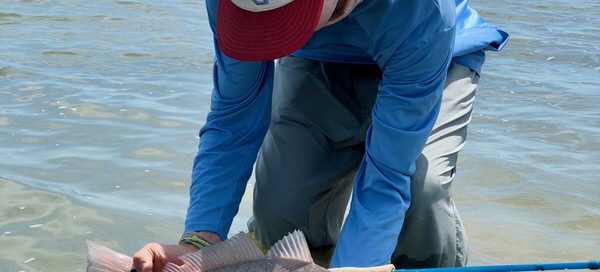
<point>267,35</point>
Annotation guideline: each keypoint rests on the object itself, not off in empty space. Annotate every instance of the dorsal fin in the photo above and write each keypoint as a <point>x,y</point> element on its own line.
<point>237,249</point>
<point>103,259</point>
<point>292,246</point>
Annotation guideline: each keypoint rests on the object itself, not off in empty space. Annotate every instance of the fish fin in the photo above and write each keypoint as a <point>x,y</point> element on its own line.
<point>238,248</point>
<point>104,259</point>
<point>292,246</point>
<point>381,268</point>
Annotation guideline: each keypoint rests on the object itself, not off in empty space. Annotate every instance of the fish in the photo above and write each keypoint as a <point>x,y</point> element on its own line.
<point>239,253</point>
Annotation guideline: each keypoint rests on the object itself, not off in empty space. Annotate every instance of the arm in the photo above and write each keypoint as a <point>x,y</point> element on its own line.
<point>229,141</point>
<point>402,118</point>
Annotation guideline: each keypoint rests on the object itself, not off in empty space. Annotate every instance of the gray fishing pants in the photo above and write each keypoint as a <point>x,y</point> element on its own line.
<point>305,170</point>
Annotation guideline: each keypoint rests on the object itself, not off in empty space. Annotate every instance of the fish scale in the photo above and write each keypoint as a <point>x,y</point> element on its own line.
<point>263,265</point>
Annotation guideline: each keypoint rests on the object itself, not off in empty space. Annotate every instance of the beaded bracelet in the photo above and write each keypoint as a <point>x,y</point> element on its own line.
<point>194,239</point>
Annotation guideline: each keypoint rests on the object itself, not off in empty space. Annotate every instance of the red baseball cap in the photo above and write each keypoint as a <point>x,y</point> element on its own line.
<point>259,30</point>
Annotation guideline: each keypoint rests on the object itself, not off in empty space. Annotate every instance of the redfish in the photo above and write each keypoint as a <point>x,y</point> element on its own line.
<point>239,253</point>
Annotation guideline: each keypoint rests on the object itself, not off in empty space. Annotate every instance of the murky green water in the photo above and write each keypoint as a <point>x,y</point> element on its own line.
<point>101,102</point>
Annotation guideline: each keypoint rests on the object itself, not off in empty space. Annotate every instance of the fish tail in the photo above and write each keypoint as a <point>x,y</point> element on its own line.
<point>103,259</point>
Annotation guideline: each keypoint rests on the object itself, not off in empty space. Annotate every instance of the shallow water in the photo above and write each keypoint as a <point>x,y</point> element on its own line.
<point>101,102</point>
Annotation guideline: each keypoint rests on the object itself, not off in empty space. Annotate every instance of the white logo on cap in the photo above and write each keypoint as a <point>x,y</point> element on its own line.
<point>260,5</point>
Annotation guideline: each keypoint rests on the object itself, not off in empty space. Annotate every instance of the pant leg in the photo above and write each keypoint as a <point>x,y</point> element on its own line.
<point>305,169</point>
<point>433,234</point>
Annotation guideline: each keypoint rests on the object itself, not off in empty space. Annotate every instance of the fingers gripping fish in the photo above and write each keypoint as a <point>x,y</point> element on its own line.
<point>239,253</point>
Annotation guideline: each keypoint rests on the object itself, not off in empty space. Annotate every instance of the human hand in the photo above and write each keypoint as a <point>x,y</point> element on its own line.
<point>381,268</point>
<point>154,256</point>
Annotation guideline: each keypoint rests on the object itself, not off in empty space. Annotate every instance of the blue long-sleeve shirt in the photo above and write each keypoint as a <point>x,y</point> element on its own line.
<point>473,36</point>
<point>412,42</point>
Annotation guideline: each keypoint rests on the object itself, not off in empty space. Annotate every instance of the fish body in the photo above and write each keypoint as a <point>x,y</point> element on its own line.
<point>267,265</point>
<point>239,253</point>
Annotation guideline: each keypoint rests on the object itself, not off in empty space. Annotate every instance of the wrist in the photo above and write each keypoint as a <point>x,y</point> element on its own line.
<point>199,239</point>
<point>188,247</point>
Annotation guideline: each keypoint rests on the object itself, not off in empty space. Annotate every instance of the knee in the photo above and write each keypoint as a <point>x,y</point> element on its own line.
<point>269,209</point>
<point>430,184</point>
<point>275,216</point>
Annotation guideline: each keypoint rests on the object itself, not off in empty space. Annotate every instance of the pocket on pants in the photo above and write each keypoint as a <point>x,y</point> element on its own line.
<point>446,178</point>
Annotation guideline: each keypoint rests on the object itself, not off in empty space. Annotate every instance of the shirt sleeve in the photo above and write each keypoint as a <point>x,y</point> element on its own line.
<point>404,113</point>
<point>229,140</point>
